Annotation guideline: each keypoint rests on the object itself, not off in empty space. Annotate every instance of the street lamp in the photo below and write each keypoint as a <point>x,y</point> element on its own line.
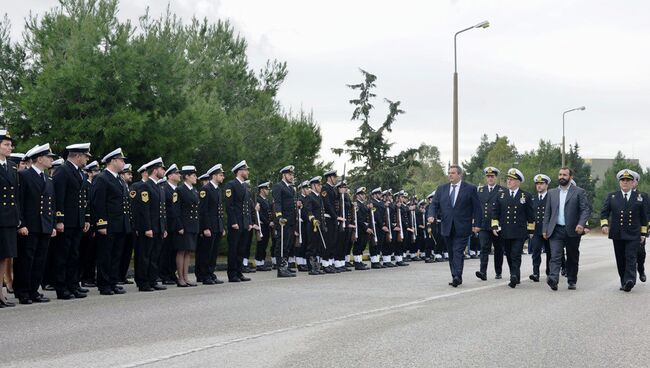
<point>581,108</point>
<point>483,24</point>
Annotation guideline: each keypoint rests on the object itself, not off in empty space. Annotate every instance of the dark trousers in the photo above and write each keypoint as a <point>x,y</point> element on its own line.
<point>488,240</point>
<point>147,256</point>
<point>439,243</point>
<point>330,238</point>
<point>560,241</point>
<point>537,244</point>
<point>285,244</point>
<point>214,252</point>
<point>49,273</point>
<point>625,252</point>
<point>204,249</point>
<point>456,249</point>
<point>88,257</point>
<point>348,244</point>
<point>66,259</point>
<point>640,258</point>
<point>127,254</point>
<point>387,246</point>
<point>360,244</point>
<point>262,244</point>
<point>109,255</point>
<point>236,240</point>
<point>30,265</point>
<point>513,249</point>
<point>167,259</point>
<point>344,244</point>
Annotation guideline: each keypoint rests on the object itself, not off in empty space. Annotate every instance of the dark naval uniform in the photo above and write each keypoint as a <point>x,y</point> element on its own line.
<point>316,216</point>
<point>626,217</point>
<point>329,195</point>
<point>71,194</point>
<point>641,254</point>
<point>37,214</point>
<point>167,261</point>
<point>515,218</point>
<point>10,213</point>
<point>537,242</point>
<point>377,243</point>
<point>488,198</point>
<point>187,218</point>
<point>238,211</point>
<point>266,218</point>
<point>284,206</point>
<point>150,214</point>
<point>363,224</point>
<point>112,211</point>
<point>210,218</point>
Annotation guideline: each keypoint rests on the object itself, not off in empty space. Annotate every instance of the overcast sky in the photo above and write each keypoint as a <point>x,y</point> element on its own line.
<point>536,60</point>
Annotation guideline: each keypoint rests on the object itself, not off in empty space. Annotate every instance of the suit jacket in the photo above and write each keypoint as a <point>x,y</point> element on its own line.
<point>10,210</point>
<point>515,215</point>
<point>111,203</point>
<point>211,209</point>
<point>36,202</point>
<point>463,215</point>
<point>627,219</point>
<point>71,193</point>
<point>284,202</point>
<point>237,204</point>
<point>171,209</point>
<point>488,199</point>
<point>577,210</point>
<point>188,209</point>
<point>329,194</point>
<point>149,208</point>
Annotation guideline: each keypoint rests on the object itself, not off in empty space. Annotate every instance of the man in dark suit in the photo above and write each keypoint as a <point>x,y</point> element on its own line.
<point>460,210</point>
<point>284,207</point>
<point>211,225</point>
<point>36,197</point>
<point>565,217</point>
<point>150,220</point>
<point>513,222</point>
<point>537,243</point>
<point>487,195</point>
<point>72,220</point>
<point>629,226</point>
<point>110,207</point>
<point>239,220</point>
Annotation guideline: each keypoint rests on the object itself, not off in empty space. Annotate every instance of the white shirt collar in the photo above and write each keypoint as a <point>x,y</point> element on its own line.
<point>172,185</point>
<point>73,164</point>
<point>510,191</point>
<point>628,193</point>
<point>543,194</point>
<point>239,180</point>
<point>114,174</point>
<point>38,171</point>
<point>214,185</point>
<point>3,162</point>
<point>188,186</point>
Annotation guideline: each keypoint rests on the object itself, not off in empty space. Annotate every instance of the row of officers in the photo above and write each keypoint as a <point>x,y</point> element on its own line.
<point>68,226</point>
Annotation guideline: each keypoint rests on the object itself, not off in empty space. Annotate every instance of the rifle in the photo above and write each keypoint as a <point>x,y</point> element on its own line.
<point>389,235</point>
<point>355,236</point>
<point>343,202</point>
<point>259,223</point>
<point>400,235</point>
<point>414,224</point>
<point>374,228</point>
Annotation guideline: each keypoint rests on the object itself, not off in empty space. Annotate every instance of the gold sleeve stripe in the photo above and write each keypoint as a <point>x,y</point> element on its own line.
<point>604,222</point>
<point>495,223</point>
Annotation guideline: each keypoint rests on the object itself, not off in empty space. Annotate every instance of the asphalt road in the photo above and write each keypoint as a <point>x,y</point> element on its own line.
<point>403,317</point>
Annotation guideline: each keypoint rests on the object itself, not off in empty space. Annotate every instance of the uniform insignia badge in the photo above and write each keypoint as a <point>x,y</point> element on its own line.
<point>132,194</point>
<point>523,199</point>
<point>228,193</point>
<point>374,209</point>
<point>639,198</point>
<point>144,196</point>
<point>203,194</point>
<point>503,194</point>
<point>175,197</point>
<point>323,193</point>
<point>613,195</point>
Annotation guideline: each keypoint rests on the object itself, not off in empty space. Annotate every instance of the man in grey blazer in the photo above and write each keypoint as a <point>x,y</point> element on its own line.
<point>565,218</point>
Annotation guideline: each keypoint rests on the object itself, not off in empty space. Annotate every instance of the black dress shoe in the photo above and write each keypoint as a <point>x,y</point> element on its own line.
<point>401,264</point>
<point>64,295</point>
<point>513,282</point>
<point>642,277</point>
<point>234,279</point>
<point>534,277</point>
<point>481,275</point>
<point>552,283</point>
<point>283,272</point>
<point>621,288</point>
<point>416,259</point>
<point>303,268</point>
<point>145,288</point>
<point>389,265</point>
<point>158,287</point>
<point>628,286</point>
<point>245,269</point>
<point>7,304</point>
<point>88,284</point>
<point>263,268</point>
<point>182,285</point>
<point>498,276</point>
<point>106,292</point>
<point>430,260</point>
<point>244,278</point>
<point>25,301</point>
<point>217,281</point>
<point>40,298</point>
<point>349,264</point>
<point>191,284</point>
<point>455,282</point>
<point>168,282</point>
<point>572,286</point>
<point>328,269</point>
<point>208,282</point>
<point>79,295</point>
<point>360,266</point>
<point>118,291</point>
<point>563,272</point>
<point>82,290</point>
<point>376,265</point>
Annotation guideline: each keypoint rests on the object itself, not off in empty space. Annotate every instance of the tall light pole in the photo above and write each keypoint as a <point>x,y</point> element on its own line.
<point>483,24</point>
<point>581,108</point>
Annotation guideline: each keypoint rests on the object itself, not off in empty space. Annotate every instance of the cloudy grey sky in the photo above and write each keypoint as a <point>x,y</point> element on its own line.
<point>537,59</point>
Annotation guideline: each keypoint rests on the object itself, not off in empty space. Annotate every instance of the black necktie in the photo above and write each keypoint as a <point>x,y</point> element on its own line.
<point>4,167</point>
<point>625,195</point>
<point>512,194</point>
<point>489,189</point>
<point>540,197</point>
<point>43,177</point>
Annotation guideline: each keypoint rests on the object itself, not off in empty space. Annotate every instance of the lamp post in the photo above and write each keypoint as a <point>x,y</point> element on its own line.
<point>483,24</point>
<point>581,108</point>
